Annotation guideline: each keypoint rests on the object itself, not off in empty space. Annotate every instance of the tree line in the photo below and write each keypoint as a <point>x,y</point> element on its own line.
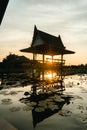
<point>14,63</point>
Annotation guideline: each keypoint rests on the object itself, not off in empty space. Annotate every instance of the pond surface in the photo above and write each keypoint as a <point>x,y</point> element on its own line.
<point>65,111</point>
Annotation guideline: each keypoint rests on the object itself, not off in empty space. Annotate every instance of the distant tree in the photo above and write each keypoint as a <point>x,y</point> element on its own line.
<point>13,61</point>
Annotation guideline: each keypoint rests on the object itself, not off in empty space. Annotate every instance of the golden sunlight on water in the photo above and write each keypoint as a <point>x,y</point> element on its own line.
<point>69,106</point>
<point>49,75</point>
<point>49,60</point>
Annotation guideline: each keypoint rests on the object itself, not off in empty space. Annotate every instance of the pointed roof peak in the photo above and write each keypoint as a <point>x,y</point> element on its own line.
<point>59,36</point>
<point>44,43</point>
<point>35,27</point>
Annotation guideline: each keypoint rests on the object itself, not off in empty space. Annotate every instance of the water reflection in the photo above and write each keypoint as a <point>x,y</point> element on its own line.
<point>44,106</point>
<point>34,110</point>
<point>15,109</point>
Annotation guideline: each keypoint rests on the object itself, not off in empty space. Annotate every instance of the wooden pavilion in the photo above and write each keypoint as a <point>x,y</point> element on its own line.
<point>48,45</point>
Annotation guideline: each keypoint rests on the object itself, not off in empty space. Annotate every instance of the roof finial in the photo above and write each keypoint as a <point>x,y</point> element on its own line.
<point>35,28</point>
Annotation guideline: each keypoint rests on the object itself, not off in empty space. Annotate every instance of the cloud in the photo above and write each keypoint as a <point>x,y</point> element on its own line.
<point>24,13</point>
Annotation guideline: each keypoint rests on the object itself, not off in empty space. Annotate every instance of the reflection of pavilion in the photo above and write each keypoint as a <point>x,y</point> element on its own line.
<point>48,45</point>
<point>54,108</point>
<point>44,106</point>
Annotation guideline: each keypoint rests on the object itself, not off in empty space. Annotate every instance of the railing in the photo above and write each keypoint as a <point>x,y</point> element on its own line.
<point>54,61</point>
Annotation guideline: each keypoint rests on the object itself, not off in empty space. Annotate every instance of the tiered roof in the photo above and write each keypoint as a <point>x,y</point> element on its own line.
<point>44,43</point>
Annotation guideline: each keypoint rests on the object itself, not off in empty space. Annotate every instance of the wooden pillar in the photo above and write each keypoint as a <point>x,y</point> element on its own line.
<point>61,72</point>
<point>43,58</point>
<point>52,66</point>
<point>43,66</point>
<point>34,77</point>
<point>34,56</point>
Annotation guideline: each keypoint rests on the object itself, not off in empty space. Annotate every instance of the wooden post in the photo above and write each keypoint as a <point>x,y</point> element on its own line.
<point>52,66</point>
<point>43,67</point>
<point>43,72</point>
<point>34,56</point>
<point>33,76</point>
<point>61,72</point>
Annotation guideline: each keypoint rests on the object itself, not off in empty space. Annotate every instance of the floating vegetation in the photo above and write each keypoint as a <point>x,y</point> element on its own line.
<point>4,92</point>
<point>20,91</point>
<point>53,107</point>
<point>51,103</point>
<point>52,97</point>
<point>24,100</point>
<point>43,104</point>
<point>6,101</point>
<point>48,104</point>
<point>13,93</point>
<point>28,104</point>
<point>65,113</point>
<point>15,109</point>
<point>33,103</point>
<point>65,96</point>
<point>57,98</point>
<point>48,100</point>
<point>9,93</point>
<point>84,90</point>
<point>84,120</point>
<point>80,107</point>
<point>28,108</point>
<point>39,109</point>
<point>78,97</point>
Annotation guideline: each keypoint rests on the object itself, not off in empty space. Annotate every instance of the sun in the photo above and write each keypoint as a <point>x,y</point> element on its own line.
<point>49,59</point>
<point>49,76</point>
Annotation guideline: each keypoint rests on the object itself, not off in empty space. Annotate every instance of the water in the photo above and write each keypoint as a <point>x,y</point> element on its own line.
<point>52,113</point>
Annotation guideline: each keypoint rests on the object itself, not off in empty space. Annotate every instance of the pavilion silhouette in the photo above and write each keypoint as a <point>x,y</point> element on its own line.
<point>48,45</point>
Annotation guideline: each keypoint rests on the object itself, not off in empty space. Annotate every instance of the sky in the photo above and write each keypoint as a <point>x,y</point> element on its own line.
<point>67,18</point>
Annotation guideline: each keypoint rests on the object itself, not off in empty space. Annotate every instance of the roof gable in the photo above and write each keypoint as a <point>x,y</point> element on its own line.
<point>44,43</point>
<point>47,39</point>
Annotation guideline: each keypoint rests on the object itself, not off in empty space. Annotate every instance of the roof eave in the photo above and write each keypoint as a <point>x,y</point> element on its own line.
<point>46,52</point>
